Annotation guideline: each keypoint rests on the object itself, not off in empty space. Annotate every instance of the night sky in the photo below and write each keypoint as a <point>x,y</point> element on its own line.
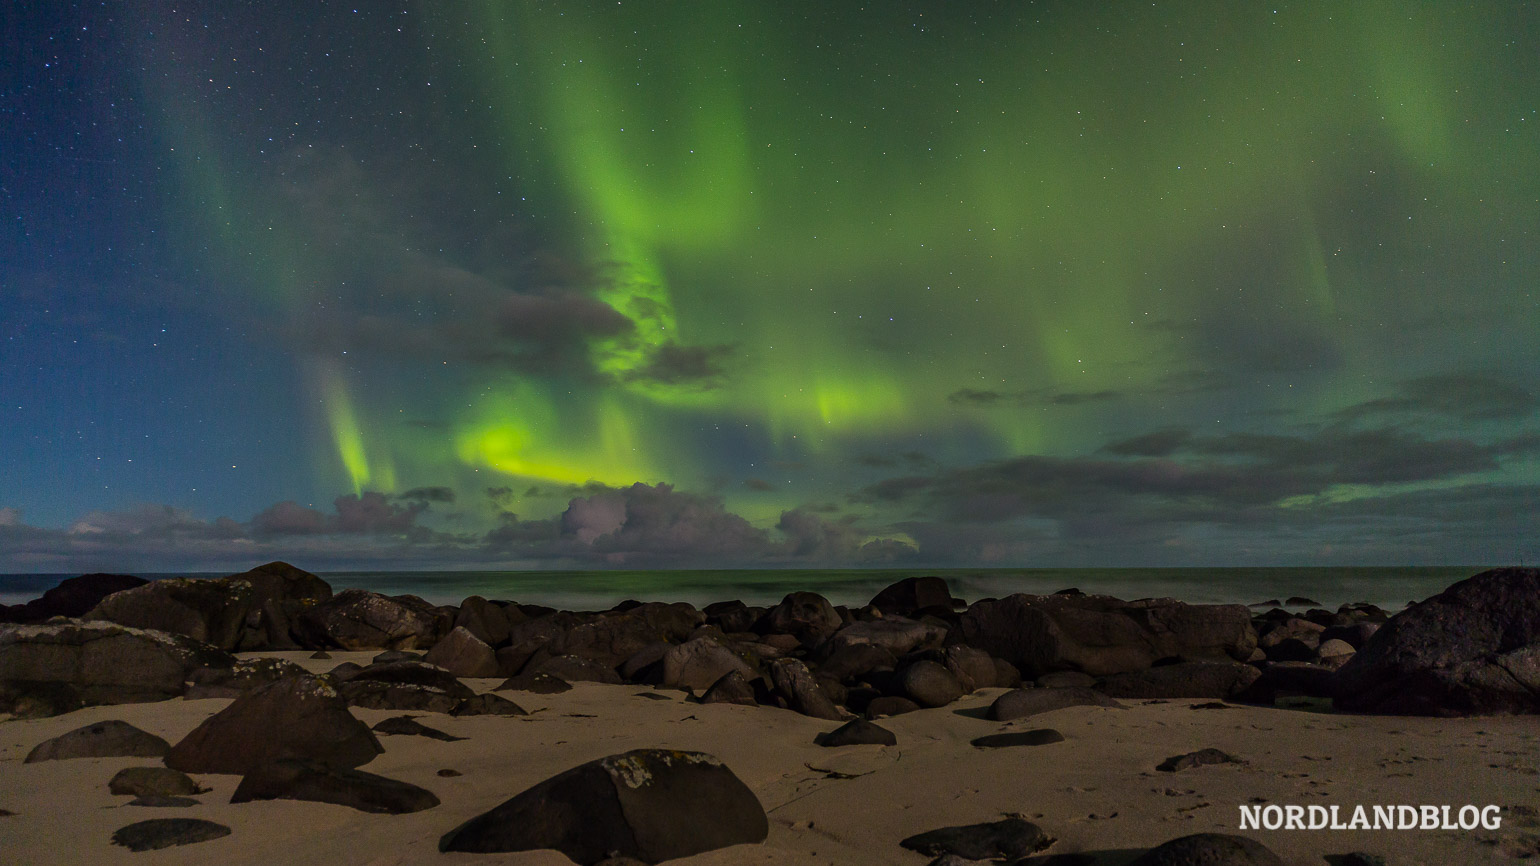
<point>511,284</point>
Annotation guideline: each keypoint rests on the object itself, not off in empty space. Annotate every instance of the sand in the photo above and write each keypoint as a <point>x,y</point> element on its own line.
<point>1097,792</point>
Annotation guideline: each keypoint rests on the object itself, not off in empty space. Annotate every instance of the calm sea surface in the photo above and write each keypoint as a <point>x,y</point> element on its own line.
<point>1389,587</point>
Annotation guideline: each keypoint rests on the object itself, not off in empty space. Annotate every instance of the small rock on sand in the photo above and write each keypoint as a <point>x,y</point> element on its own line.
<point>165,832</point>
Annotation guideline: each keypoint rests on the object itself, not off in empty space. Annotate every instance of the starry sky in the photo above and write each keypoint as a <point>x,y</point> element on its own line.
<point>499,284</point>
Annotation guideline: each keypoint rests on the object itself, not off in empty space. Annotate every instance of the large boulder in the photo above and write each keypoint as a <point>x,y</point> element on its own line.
<point>795,683</point>
<point>486,620</point>
<point>356,619</point>
<point>321,783</point>
<point>254,610</point>
<point>614,636</point>
<point>650,805</point>
<point>71,598</point>
<point>1101,635</point>
<point>88,663</point>
<point>913,594</point>
<point>1473,649</point>
<point>895,634</point>
<point>1185,680</point>
<point>1021,703</point>
<point>699,663</point>
<point>464,655</point>
<point>110,739</point>
<point>807,616</point>
<point>296,718</point>
<point>404,685</point>
<point>929,684</point>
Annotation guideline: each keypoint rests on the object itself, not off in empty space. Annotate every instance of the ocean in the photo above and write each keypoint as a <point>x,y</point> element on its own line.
<point>1388,586</point>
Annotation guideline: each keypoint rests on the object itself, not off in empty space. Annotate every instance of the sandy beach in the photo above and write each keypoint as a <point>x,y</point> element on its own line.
<point>1098,792</point>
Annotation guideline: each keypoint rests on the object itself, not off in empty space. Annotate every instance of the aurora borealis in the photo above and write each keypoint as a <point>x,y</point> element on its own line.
<point>504,284</point>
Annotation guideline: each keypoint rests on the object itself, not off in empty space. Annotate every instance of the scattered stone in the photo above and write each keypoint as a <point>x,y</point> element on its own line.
<point>408,726</point>
<point>110,739</point>
<point>857,732</point>
<point>1212,705</point>
<point>732,688</point>
<point>320,783</point>
<point>161,801</point>
<point>539,684</point>
<point>889,705</point>
<point>1038,737</point>
<point>649,804</point>
<point>464,655</point>
<point>1008,839</point>
<point>299,717</point>
<point>449,774</point>
<point>1020,703</point>
<point>1199,758</point>
<point>930,684</point>
<point>487,704</point>
<point>1209,849</point>
<point>1473,649</point>
<point>159,833</point>
<point>162,781</point>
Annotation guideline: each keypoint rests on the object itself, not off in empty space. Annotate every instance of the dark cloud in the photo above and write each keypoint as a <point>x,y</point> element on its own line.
<point>370,513</point>
<point>429,494</point>
<point>1160,443</point>
<point>1032,397</point>
<point>700,367</point>
<point>970,395</point>
<point>1461,396</point>
<point>758,484</point>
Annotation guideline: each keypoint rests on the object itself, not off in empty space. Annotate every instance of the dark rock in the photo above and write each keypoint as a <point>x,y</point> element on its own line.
<point>889,706</point>
<point>646,664</point>
<point>162,801</point>
<point>700,663</point>
<point>539,684</point>
<point>163,781</point>
<point>1101,635</point>
<point>55,665</point>
<point>324,783</point>
<point>159,833</point>
<point>249,611</point>
<point>848,662</point>
<point>356,619</point>
<point>1293,628</point>
<point>1356,635</point>
<point>652,805</point>
<point>973,668</point>
<point>1006,675</point>
<point>732,688</point>
<point>795,683</point>
<point>1300,601</point>
<point>109,739</point>
<point>1334,652</point>
<point>464,655</point>
<point>733,616</point>
<point>408,726</point>
<point>832,688</point>
<point>344,672</point>
<point>894,634</point>
<point>1358,858</point>
<point>1021,703</point>
<point>300,718</point>
<point>929,684</point>
<point>1038,737</point>
<point>1065,679</point>
<point>1209,849</point>
<point>389,656</point>
<point>612,638</point>
<point>34,700</point>
<point>857,732</point>
<point>807,616</point>
<point>1183,680</point>
<point>71,598</point>
<point>1472,649</point>
<point>405,685</point>
<point>1298,678</point>
<point>576,669</point>
<point>1272,602</point>
<point>1008,839</point>
<point>487,704</point>
<point>242,677</point>
<point>911,594</point>
<point>1200,758</point>
<point>486,621</point>
<point>320,654</point>
<point>1291,650</point>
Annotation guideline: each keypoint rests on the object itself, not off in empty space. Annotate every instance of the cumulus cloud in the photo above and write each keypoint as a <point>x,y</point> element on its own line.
<point>429,494</point>
<point>371,513</point>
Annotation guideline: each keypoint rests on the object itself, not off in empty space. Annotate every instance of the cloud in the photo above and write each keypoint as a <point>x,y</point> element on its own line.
<point>700,367</point>
<point>10,516</point>
<point>1032,397</point>
<point>371,513</point>
<point>758,484</point>
<point>1461,396</point>
<point>429,494</point>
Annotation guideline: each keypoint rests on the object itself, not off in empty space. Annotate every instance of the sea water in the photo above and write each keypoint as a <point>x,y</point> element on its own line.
<point>1387,586</point>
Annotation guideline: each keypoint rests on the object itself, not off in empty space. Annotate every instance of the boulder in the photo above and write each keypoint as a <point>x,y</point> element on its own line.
<point>796,684</point>
<point>300,717</point>
<point>856,660</point>
<point>239,678</point>
<point>1473,649</point>
<point>1021,703</point>
<point>929,684</point>
<point>973,668</point>
<point>89,663</point>
<point>539,684</point>
<point>913,594</point>
<point>807,616</point>
<point>1065,679</point>
<point>1209,849</point>
<point>699,663</point>
<point>1301,678</point>
<point>154,781</point>
<point>1293,628</point>
<point>732,688</point>
<point>574,669</point>
<point>463,654</point>
<point>889,705</point>
<point>732,616</point>
<point>857,732</point>
<point>158,833</point>
<point>357,619</point>
<point>110,739</point>
<point>1183,680</point>
<point>1200,758</point>
<point>894,634</point>
<point>484,619</point>
<point>324,783</point>
<point>1037,737</point>
<point>408,726</point>
<point>1010,839</point>
<point>616,636</point>
<point>1101,635</point>
<point>1355,635</point>
<point>71,598</point>
<point>487,704</point>
<point>650,805</point>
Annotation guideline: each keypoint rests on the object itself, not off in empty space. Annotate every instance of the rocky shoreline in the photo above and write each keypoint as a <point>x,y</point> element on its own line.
<point>291,728</point>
